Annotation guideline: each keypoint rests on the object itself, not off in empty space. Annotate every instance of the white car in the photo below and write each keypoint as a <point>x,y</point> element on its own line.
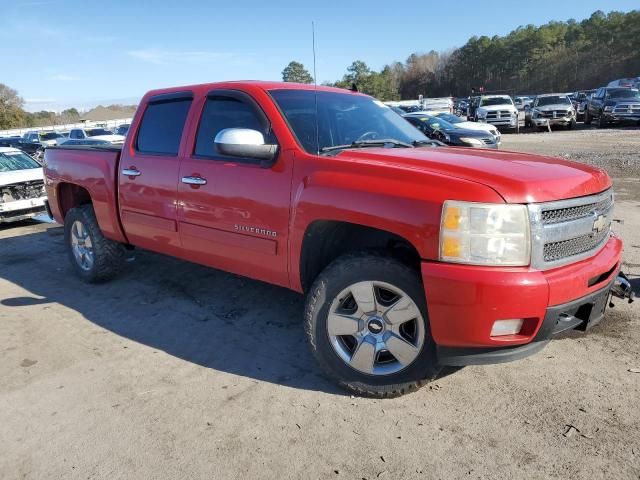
<point>497,110</point>
<point>460,123</point>
<point>22,193</point>
<point>46,139</point>
<point>97,133</point>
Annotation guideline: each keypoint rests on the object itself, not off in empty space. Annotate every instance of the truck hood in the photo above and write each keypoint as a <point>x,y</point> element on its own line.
<point>555,106</point>
<point>19,176</point>
<point>496,108</point>
<point>517,177</point>
<point>109,138</point>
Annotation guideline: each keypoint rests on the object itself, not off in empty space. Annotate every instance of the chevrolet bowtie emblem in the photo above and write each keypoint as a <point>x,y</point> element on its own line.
<point>600,223</point>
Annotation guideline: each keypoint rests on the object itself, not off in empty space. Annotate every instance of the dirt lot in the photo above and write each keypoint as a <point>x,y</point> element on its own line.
<point>178,371</point>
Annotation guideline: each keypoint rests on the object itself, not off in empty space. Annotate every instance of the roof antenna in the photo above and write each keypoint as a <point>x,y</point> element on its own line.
<point>315,85</point>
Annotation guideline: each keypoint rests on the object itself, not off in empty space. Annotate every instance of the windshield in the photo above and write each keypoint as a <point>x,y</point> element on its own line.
<point>554,100</point>
<point>10,161</point>
<point>450,117</point>
<point>488,101</point>
<point>98,131</point>
<point>49,136</point>
<point>343,118</point>
<point>624,93</point>
<point>438,123</point>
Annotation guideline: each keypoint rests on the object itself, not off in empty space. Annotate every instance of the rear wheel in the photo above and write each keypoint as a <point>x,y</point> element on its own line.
<point>93,257</point>
<point>367,325</point>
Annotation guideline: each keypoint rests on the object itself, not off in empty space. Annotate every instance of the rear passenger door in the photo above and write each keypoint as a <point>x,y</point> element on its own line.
<point>148,176</point>
<point>237,219</point>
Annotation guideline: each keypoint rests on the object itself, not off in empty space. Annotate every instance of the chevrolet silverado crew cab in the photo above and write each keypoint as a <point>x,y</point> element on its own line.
<point>412,255</point>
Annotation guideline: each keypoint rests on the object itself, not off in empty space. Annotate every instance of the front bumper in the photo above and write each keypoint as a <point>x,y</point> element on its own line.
<point>464,301</point>
<point>542,121</point>
<point>511,122</point>
<point>21,209</point>
<point>620,117</point>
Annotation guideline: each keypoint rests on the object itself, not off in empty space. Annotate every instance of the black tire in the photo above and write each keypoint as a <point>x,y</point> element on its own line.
<point>587,117</point>
<point>343,272</point>
<point>601,122</point>
<point>109,255</point>
<point>571,124</point>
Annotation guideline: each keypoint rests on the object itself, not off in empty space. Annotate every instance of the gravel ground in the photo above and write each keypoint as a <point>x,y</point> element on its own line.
<point>178,371</point>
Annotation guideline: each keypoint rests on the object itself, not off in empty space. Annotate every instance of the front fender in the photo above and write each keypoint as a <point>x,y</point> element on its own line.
<point>409,205</point>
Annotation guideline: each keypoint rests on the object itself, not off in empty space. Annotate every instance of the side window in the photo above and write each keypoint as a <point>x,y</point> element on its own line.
<point>222,112</point>
<point>161,126</point>
<point>75,134</point>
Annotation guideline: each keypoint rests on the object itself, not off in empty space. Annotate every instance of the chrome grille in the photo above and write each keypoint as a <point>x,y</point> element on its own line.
<point>575,246</point>
<point>554,113</point>
<point>488,141</point>
<point>567,231</point>
<point>499,114</point>
<point>627,108</point>
<point>572,213</point>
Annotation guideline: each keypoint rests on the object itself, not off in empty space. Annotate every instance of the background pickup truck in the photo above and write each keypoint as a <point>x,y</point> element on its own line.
<point>611,105</point>
<point>411,255</point>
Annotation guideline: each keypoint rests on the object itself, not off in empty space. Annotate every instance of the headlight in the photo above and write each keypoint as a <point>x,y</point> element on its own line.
<point>481,114</point>
<point>608,108</point>
<point>485,234</point>
<point>470,141</point>
<point>535,113</point>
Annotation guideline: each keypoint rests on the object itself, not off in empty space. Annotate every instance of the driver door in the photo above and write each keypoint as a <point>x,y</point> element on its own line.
<point>233,213</point>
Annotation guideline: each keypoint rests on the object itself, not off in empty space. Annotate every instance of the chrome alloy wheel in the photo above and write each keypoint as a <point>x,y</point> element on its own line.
<point>375,328</point>
<point>81,246</point>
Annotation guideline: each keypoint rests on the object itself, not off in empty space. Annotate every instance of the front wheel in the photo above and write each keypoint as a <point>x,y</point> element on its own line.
<point>366,322</point>
<point>602,123</point>
<point>93,257</point>
<point>587,117</point>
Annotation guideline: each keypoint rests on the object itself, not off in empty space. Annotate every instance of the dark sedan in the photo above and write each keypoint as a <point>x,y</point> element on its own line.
<point>439,129</point>
<point>35,149</point>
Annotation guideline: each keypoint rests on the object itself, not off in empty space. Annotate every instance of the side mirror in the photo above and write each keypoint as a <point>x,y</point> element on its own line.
<point>247,143</point>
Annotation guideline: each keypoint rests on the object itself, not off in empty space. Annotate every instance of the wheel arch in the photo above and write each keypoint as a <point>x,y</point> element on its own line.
<point>326,240</point>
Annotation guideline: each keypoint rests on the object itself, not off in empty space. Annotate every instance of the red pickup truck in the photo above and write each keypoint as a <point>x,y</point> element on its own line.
<point>412,255</point>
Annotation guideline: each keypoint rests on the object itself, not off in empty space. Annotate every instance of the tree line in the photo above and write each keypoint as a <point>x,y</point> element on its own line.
<point>554,57</point>
<point>12,114</point>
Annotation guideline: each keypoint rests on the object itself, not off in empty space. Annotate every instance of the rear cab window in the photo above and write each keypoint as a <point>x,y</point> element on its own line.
<point>162,124</point>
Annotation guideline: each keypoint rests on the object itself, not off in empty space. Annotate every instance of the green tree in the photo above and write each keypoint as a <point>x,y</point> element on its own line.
<point>295,72</point>
<point>11,113</point>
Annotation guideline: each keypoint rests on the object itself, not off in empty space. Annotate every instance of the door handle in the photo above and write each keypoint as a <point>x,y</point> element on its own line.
<point>131,172</point>
<point>194,180</point>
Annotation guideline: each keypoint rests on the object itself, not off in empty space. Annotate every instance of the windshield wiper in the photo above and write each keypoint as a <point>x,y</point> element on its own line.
<point>435,143</point>
<point>368,143</point>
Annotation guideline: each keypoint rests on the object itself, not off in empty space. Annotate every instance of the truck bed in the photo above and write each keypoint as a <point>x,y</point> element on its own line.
<point>92,168</point>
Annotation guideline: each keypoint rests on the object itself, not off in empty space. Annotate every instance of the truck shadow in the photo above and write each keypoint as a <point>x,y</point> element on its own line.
<point>204,316</point>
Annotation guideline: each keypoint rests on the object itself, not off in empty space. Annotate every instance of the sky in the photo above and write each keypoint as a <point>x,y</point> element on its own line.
<point>63,53</point>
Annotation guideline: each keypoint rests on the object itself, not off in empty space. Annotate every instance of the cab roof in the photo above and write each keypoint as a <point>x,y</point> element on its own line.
<point>250,84</point>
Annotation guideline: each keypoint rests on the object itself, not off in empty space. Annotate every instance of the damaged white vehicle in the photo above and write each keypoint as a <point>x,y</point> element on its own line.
<point>22,193</point>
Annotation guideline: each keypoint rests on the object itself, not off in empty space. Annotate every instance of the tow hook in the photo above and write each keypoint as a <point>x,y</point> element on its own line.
<point>622,288</point>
